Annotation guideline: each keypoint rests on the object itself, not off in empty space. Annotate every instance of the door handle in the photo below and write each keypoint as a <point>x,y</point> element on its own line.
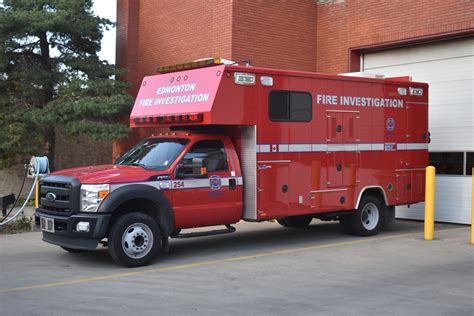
<point>232,184</point>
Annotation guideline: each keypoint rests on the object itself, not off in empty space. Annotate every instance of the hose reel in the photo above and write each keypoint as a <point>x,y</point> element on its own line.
<point>38,164</point>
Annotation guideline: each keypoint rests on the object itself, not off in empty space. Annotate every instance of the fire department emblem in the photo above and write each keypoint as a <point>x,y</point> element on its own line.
<point>215,182</point>
<point>390,124</point>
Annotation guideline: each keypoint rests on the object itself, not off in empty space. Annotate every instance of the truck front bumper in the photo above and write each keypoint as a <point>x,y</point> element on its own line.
<point>66,235</point>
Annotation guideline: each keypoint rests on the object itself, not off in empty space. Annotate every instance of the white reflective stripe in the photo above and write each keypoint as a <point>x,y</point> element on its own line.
<point>293,148</point>
<point>192,184</point>
<point>332,148</point>
<point>319,147</point>
<point>179,184</point>
<point>264,148</point>
<point>378,147</point>
<point>299,147</point>
<point>283,148</point>
<point>417,146</point>
<point>350,147</point>
<point>364,147</point>
<point>165,185</point>
<point>401,146</point>
<point>156,184</point>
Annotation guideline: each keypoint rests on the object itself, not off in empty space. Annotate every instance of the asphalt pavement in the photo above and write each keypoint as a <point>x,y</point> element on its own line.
<point>262,269</point>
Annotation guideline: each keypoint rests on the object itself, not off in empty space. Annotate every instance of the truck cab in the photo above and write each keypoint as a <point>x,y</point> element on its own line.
<point>177,180</point>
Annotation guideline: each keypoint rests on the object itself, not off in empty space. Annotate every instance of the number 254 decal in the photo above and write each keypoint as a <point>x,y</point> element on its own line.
<point>178,184</point>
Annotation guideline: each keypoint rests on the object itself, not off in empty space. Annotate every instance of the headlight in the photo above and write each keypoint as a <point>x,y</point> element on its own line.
<point>92,195</point>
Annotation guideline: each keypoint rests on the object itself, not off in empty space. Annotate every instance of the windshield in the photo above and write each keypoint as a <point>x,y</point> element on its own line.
<point>154,153</point>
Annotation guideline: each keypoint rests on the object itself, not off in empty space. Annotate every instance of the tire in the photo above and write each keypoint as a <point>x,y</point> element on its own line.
<point>389,218</point>
<point>134,239</point>
<point>345,224</point>
<point>282,222</point>
<point>300,221</point>
<point>74,250</point>
<point>368,218</point>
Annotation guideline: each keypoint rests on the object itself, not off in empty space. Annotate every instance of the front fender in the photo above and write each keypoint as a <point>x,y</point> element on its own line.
<point>164,210</point>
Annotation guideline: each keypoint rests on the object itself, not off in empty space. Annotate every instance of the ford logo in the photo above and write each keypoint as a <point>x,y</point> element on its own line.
<point>50,196</point>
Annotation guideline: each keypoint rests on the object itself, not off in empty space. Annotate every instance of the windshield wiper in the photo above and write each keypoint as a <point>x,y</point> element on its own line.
<point>134,164</point>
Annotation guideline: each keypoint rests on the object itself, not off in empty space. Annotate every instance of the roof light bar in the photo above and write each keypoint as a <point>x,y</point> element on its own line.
<point>191,65</point>
<point>169,119</point>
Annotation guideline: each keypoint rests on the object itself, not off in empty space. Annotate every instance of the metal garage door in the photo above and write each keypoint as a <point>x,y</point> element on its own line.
<point>448,67</point>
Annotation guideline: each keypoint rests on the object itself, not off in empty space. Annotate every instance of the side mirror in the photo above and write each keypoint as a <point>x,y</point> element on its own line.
<point>196,169</point>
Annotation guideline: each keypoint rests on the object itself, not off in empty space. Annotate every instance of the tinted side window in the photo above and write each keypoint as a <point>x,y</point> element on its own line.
<point>212,150</point>
<point>290,106</point>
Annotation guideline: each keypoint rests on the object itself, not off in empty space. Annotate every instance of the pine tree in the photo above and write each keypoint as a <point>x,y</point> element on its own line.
<point>50,75</point>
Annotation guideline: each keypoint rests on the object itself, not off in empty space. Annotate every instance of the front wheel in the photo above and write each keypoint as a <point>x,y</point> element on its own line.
<point>134,239</point>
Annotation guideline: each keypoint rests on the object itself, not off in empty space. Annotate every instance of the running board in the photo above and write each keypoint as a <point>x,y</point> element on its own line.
<point>229,229</point>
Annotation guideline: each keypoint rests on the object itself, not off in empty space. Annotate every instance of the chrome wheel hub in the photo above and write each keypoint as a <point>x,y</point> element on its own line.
<point>370,216</point>
<point>137,240</point>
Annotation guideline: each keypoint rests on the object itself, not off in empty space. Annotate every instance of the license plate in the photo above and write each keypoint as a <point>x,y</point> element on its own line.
<point>47,224</point>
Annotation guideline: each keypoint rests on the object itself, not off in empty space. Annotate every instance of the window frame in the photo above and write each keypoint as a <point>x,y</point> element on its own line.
<point>289,106</point>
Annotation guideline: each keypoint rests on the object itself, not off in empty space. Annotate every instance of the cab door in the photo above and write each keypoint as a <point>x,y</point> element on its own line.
<point>214,199</point>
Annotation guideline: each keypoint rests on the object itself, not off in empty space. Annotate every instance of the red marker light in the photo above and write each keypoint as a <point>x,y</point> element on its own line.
<point>195,117</point>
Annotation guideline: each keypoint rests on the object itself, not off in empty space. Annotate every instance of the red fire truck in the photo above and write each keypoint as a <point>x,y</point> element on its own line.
<point>246,143</point>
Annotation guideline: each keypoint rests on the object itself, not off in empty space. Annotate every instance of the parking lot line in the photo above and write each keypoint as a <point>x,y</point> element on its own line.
<point>217,261</point>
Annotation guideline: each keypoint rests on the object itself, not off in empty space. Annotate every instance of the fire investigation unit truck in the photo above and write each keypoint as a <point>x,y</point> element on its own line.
<point>246,143</point>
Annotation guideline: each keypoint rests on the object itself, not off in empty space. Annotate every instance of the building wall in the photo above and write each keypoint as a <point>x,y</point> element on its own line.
<point>275,34</point>
<point>80,151</point>
<point>167,32</point>
<point>312,35</point>
<point>360,24</point>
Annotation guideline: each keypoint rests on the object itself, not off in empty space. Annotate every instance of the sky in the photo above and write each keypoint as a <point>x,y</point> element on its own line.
<point>107,9</point>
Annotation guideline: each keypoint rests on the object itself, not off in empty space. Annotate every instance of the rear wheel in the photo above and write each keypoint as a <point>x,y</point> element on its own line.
<point>367,219</point>
<point>300,221</point>
<point>134,239</point>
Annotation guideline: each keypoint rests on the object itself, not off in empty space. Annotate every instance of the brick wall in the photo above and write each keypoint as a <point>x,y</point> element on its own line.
<point>275,34</point>
<point>170,32</point>
<point>80,151</point>
<point>305,34</point>
<point>352,24</point>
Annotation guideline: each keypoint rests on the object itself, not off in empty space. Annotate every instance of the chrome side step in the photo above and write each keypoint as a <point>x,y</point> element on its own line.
<point>229,229</point>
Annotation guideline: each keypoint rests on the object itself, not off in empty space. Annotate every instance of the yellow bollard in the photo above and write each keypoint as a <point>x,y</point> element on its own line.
<point>36,194</point>
<point>472,208</point>
<point>429,202</point>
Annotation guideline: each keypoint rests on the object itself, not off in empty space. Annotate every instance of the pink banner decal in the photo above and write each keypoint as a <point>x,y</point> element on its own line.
<point>191,91</point>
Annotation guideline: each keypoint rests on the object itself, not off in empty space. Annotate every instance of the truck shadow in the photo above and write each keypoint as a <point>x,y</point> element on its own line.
<point>269,237</point>
<point>249,239</point>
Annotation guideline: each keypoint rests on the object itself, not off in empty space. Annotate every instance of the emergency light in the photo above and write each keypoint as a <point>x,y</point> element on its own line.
<point>191,65</point>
